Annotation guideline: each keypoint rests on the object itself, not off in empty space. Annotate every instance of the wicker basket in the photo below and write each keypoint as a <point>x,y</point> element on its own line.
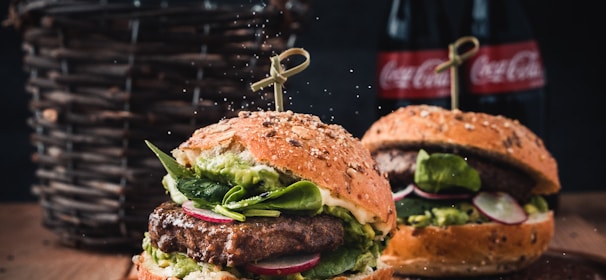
<point>106,75</point>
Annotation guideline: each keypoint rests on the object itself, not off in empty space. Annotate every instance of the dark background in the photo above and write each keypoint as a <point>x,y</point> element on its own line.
<point>338,86</point>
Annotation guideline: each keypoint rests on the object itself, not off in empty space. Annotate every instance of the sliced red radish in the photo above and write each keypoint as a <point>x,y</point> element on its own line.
<point>204,214</point>
<point>429,195</point>
<point>284,265</point>
<point>500,207</point>
<point>403,193</point>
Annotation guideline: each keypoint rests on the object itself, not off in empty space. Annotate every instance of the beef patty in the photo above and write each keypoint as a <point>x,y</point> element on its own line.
<point>233,244</point>
<point>400,165</point>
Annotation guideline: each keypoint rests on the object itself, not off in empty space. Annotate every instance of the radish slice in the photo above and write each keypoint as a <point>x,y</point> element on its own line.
<point>204,214</point>
<point>428,195</point>
<point>284,265</point>
<point>403,193</point>
<point>500,207</point>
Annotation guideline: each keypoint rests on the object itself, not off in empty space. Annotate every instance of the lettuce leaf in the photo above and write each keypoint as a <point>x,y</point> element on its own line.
<point>440,172</point>
<point>302,197</point>
<point>173,168</point>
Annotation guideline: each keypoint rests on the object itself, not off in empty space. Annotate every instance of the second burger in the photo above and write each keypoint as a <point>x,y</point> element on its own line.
<point>470,191</point>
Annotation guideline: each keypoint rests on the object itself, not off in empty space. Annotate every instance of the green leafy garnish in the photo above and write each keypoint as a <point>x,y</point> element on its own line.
<point>173,168</point>
<point>202,189</point>
<point>229,185</point>
<point>302,197</point>
<point>443,172</point>
<point>334,263</point>
<point>234,194</point>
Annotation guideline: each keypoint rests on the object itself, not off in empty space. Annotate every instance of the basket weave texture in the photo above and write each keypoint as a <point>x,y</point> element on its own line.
<point>106,75</point>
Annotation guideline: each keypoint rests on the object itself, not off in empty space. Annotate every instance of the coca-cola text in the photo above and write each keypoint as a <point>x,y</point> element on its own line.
<point>506,68</point>
<point>412,75</point>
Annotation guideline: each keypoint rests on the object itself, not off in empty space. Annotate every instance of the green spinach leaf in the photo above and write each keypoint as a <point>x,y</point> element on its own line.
<point>302,197</point>
<point>173,168</point>
<point>443,172</point>
<point>334,263</point>
<point>202,188</point>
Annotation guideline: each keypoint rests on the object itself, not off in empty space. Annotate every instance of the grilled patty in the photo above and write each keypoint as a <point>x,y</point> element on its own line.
<point>400,165</point>
<point>237,243</point>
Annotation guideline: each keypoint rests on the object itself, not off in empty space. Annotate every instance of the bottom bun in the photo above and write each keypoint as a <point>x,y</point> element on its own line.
<point>468,250</point>
<point>148,270</point>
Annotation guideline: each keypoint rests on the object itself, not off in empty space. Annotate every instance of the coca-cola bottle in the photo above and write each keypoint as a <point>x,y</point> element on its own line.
<point>413,41</point>
<point>506,75</point>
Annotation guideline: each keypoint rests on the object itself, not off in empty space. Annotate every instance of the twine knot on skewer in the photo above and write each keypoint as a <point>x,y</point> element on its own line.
<point>278,76</point>
<point>276,70</point>
<point>454,61</point>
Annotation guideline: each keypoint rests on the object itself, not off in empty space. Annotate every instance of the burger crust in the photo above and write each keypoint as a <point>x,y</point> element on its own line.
<point>145,271</point>
<point>301,145</point>
<point>493,136</point>
<point>468,250</point>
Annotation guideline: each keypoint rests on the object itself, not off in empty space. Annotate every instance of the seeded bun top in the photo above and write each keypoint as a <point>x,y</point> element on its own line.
<point>495,137</point>
<point>301,145</point>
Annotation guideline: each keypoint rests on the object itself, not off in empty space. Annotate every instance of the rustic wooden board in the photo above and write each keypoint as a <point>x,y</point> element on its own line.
<point>30,251</point>
<point>575,235</point>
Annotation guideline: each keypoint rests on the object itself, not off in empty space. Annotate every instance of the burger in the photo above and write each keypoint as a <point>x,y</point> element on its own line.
<point>269,195</point>
<point>471,191</point>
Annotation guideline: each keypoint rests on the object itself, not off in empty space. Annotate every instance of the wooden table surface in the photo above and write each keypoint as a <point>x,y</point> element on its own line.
<point>29,251</point>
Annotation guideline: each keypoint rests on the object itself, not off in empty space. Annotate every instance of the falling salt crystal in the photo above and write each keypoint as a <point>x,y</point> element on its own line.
<point>369,86</point>
<point>351,70</point>
<point>169,132</point>
<point>184,90</point>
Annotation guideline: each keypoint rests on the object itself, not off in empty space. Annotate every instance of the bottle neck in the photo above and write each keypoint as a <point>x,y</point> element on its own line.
<point>415,25</point>
<point>499,21</point>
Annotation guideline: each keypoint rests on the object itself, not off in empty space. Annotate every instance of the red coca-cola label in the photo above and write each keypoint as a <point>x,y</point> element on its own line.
<point>411,74</point>
<point>505,68</point>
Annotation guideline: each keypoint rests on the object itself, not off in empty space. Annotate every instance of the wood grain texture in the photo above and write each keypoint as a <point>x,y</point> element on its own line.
<point>580,224</point>
<point>30,251</point>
